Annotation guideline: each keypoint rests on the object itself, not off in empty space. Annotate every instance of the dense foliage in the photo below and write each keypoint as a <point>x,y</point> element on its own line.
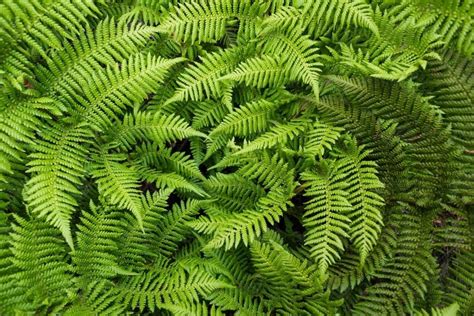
<point>211,157</point>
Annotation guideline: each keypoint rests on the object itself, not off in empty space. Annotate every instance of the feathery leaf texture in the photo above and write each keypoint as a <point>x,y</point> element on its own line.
<point>221,157</point>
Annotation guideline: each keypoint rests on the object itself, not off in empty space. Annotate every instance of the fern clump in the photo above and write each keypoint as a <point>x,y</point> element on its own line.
<point>227,157</point>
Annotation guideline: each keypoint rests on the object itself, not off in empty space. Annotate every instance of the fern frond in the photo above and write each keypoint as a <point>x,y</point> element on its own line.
<point>97,253</point>
<point>460,285</point>
<point>118,183</point>
<point>108,43</point>
<point>451,310</point>
<point>260,72</point>
<point>403,278</point>
<point>327,15</point>
<point>450,81</point>
<point>199,81</point>
<point>250,118</point>
<point>451,19</point>
<point>181,287</point>
<point>152,155</point>
<point>327,213</point>
<point>173,226</point>
<point>300,55</point>
<point>38,25</point>
<point>117,87</point>
<point>38,254</point>
<point>58,164</point>
<point>155,127</point>
<point>206,21</point>
<point>279,134</point>
<point>367,204</point>
<point>97,297</point>
<point>234,192</point>
<point>320,139</point>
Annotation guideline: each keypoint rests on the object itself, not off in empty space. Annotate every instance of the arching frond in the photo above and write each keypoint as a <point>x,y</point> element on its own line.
<point>326,218</point>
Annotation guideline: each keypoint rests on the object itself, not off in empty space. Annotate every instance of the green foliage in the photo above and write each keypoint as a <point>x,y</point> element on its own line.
<point>227,157</point>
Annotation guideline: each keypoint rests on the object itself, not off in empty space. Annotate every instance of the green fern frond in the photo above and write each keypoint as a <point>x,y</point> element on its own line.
<point>279,134</point>
<point>57,165</point>
<point>199,81</point>
<point>450,82</point>
<point>451,310</point>
<point>403,278</point>
<point>152,155</point>
<point>108,43</point>
<point>97,251</point>
<point>326,15</point>
<point>451,19</point>
<point>155,127</point>
<point>118,183</point>
<point>206,21</point>
<point>327,213</point>
<point>234,192</point>
<point>38,25</point>
<point>300,57</point>
<point>118,87</point>
<point>260,72</point>
<point>38,254</point>
<point>320,139</point>
<point>173,226</point>
<point>250,118</point>
<point>460,285</point>
<point>181,288</point>
<point>367,204</point>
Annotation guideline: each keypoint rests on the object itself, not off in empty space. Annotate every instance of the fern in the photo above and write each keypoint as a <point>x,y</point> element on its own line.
<point>217,157</point>
<point>326,218</point>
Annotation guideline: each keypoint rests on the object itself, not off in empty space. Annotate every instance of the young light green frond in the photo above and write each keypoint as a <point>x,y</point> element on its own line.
<point>299,55</point>
<point>108,43</point>
<point>117,87</point>
<point>202,309</point>
<point>260,72</point>
<point>199,81</point>
<point>247,120</point>
<point>363,187</point>
<point>96,297</point>
<point>320,139</point>
<point>328,15</point>
<point>118,183</point>
<point>271,172</point>
<point>19,118</point>
<point>138,247</point>
<point>57,165</point>
<point>278,135</point>
<point>153,126</point>
<point>401,49</point>
<point>232,229</point>
<point>233,191</point>
<point>209,113</point>
<point>206,21</point>
<point>173,227</point>
<point>293,284</point>
<point>326,218</point>
<point>169,180</point>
